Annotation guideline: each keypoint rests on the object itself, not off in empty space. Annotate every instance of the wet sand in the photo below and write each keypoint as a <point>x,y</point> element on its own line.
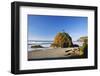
<point>52,53</point>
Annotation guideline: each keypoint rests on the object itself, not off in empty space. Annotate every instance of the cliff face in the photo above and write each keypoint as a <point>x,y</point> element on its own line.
<point>82,39</point>
<point>62,40</point>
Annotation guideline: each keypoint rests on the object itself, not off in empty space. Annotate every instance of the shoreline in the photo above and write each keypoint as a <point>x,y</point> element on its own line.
<point>53,53</point>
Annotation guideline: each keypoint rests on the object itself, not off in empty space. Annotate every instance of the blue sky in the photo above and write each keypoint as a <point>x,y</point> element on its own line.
<point>43,27</point>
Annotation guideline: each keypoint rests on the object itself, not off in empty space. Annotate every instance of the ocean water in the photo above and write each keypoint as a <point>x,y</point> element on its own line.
<point>45,44</point>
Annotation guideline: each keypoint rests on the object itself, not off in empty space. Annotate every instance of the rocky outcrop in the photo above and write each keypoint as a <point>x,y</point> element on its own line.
<point>62,40</point>
<point>36,46</point>
<point>82,39</point>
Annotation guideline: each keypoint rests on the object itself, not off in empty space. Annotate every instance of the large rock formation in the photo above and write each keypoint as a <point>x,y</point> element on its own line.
<point>84,48</point>
<point>62,40</point>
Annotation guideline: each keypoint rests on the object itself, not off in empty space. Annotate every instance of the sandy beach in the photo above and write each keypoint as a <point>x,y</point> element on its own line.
<point>52,53</point>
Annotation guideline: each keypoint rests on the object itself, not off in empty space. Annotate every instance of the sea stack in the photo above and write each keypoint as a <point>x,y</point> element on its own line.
<point>62,40</point>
